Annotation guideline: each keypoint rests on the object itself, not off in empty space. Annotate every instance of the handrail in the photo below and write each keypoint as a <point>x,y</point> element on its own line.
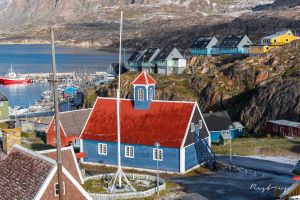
<point>210,150</point>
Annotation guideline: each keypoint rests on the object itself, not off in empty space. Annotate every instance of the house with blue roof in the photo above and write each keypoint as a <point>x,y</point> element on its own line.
<point>203,45</point>
<point>178,127</point>
<point>70,91</point>
<point>222,128</point>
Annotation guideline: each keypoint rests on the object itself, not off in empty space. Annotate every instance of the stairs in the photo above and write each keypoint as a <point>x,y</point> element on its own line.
<point>204,152</point>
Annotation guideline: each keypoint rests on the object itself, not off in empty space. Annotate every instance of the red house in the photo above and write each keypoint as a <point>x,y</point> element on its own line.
<point>71,124</point>
<point>283,128</point>
<point>25,174</point>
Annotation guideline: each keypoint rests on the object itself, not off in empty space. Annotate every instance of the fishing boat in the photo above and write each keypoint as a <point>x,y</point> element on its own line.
<point>13,78</point>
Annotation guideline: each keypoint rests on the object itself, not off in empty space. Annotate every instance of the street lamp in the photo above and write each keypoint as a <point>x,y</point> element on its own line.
<point>230,156</point>
<point>157,145</point>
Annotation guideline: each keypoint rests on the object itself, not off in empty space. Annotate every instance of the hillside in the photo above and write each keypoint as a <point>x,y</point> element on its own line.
<point>95,22</point>
<point>253,90</point>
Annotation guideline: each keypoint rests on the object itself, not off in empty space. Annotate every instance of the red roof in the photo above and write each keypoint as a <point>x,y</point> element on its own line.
<point>80,155</point>
<point>165,122</point>
<point>144,79</point>
<point>296,178</point>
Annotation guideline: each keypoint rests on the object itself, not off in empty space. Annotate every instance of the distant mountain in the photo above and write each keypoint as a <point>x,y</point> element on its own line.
<point>95,22</point>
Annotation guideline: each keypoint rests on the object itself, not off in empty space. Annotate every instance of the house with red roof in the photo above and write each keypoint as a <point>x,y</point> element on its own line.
<point>178,126</point>
<point>71,124</point>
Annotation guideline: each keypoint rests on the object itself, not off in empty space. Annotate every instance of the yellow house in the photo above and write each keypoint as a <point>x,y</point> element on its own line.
<point>273,41</point>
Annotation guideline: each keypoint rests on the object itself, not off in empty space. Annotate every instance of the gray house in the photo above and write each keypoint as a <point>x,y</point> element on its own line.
<point>203,45</point>
<point>135,60</point>
<point>169,60</point>
<point>235,44</point>
<point>3,108</point>
<point>142,59</point>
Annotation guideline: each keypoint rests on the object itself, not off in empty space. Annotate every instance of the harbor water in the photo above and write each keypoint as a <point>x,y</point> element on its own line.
<point>37,59</point>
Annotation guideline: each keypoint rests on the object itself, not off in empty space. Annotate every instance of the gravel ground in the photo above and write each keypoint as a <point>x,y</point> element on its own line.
<point>242,185</point>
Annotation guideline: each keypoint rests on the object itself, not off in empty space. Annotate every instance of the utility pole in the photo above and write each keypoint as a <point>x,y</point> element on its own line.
<point>56,113</point>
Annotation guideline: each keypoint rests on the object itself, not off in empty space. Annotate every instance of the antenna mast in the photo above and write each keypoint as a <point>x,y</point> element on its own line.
<point>119,174</point>
<point>56,111</point>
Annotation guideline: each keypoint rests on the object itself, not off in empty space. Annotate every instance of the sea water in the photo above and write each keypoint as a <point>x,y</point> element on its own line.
<point>37,59</point>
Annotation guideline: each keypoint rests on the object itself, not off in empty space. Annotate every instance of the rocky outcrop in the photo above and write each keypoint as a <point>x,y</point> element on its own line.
<point>253,89</point>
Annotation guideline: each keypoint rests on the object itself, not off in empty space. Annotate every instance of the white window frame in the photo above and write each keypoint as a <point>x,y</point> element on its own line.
<point>151,93</point>
<point>128,151</point>
<point>141,96</point>
<point>193,129</point>
<point>76,141</point>
<point>240,129</point>
<point>159,156</point>
<point>102,149</point>
<point>56,190</point>
<point>200,124</point>
<point>1,103</point>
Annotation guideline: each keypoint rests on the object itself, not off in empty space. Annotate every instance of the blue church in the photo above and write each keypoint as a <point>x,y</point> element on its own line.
<point>177,126</point>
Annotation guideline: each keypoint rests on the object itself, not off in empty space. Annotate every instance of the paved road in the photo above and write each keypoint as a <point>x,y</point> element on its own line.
<point>238,185</point>
<point>259,165</point>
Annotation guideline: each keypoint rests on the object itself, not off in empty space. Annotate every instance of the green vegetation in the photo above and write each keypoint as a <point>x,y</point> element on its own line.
<point>95,186</point>
<point>90,97</point>
<point>37,146</point>
<point>275,146</point>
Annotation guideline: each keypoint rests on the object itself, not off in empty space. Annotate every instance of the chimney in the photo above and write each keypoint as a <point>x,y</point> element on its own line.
<point>10,136</point>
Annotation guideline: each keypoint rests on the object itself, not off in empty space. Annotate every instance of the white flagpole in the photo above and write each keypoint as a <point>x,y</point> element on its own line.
<point>118,104</point>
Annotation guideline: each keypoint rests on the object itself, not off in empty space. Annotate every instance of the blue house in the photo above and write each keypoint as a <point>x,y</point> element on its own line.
<point>220,125</point>
<point>70,91</point>
<point>204,45</point>
<point>178,126</point>
<point>235,44</point>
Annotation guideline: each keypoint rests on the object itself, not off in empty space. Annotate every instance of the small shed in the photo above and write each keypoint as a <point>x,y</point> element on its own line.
<point>113,69</point>
<point>283,128</point>
<point>219,123</point>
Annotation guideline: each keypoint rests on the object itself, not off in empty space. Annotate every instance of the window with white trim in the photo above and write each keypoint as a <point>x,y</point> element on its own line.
<point>1,103</point>
<point>200,124</point>
<point>240,129</point>
<point>102,149</point>
<point>129,151</point>
<point>56,189</point>
<point>157,154</point>
<point>151,93</point>
<point>140,94</point>
<point>192,127</point>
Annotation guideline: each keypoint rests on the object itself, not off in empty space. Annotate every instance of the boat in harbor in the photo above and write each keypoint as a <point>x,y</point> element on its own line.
<point>13,78</point>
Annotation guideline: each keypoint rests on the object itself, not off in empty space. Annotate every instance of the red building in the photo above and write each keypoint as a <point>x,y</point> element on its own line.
<point>25,174</point>
<point>283,128</point>
<point>71,124</point>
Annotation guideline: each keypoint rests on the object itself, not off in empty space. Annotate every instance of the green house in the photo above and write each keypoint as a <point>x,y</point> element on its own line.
<point>3,108</point>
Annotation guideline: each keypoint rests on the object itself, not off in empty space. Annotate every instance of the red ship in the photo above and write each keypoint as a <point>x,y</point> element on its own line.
<point>13,78</point>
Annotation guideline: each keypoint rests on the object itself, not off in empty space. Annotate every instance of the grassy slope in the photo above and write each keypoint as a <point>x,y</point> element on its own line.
<point>261,147</point>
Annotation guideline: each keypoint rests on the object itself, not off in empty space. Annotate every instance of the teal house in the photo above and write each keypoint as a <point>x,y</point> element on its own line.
<point>235,45</point>
<point>222,128</point>
<point>178,126</point>
<point>203,45</point>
